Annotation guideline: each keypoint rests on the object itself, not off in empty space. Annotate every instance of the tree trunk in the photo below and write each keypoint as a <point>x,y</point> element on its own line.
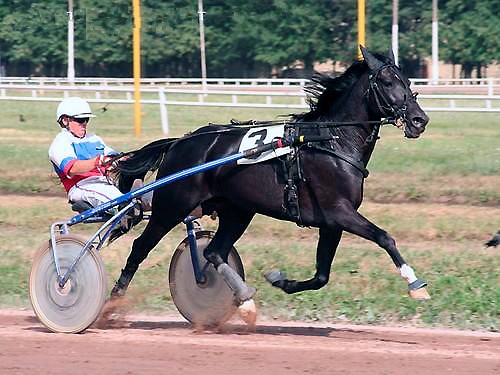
<point>467,70</point>
<point>308,66</point>
<point>478,69</point>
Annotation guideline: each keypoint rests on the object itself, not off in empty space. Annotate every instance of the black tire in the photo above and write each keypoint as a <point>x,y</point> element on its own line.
<point>211,303</point>
<point>75,307</point>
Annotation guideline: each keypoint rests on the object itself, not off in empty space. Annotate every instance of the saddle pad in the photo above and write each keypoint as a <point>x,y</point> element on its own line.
<point>260,136</point>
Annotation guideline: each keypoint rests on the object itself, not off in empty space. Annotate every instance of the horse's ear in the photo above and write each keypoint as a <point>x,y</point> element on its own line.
<point>372,61</point>
<point>390,55</point>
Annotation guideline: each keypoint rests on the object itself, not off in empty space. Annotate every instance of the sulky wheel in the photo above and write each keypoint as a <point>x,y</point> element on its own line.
<point>210,303</point>
<point>76,306</point>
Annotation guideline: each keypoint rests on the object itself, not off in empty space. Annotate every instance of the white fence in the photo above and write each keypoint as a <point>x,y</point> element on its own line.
<point>102,81</point>
<point>262,97</point>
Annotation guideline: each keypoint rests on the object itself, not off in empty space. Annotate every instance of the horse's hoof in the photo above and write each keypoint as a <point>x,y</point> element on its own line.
<point>248,312</point>
<point>274,276</point>
<point>118,292</point>
<point>419,294</point>
<point>247,294</point>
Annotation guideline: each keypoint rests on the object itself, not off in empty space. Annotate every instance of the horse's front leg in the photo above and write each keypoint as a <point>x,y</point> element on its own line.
<point>155,230</point>
<point>355,223</point>
<point>327,246</point>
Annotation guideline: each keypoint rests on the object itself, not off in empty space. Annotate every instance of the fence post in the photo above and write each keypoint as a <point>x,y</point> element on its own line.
<point>163,109</point>
<point>490,92</point>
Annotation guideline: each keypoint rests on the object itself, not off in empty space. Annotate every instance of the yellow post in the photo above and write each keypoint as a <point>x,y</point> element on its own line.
<point>137,66</point>
<point>361,26</point>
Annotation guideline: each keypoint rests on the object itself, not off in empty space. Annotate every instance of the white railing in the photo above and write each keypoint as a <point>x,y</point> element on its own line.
<point>155,81</point>
<point>456,81</point>
<point>124,95</point>
<point>102,81</point>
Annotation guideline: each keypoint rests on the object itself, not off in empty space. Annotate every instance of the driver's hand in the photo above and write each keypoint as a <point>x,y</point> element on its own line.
<point>103,161</point>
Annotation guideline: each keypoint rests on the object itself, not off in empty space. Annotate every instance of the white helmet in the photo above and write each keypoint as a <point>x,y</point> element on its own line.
<point>74,107</point>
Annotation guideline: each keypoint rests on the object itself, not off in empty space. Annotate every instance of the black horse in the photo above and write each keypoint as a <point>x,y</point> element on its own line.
<point>348,111</point>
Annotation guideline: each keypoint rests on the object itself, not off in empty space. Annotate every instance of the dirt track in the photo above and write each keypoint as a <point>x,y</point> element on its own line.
<point>167,345</point>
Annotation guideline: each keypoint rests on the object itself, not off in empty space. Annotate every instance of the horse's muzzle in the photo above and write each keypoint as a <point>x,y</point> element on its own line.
<point>415,125</point>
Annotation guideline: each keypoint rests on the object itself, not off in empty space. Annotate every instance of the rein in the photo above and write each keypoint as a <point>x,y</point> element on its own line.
<point>253,124</point>
<point>395,116</point>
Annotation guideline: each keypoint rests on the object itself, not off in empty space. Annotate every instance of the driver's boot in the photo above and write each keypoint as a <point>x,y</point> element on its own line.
<point>145,199</point>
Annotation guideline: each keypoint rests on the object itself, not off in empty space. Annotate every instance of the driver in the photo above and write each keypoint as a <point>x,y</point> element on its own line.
<point>80,158</point>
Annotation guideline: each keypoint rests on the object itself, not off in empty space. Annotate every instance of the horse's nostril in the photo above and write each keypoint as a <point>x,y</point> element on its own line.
<point>419,121</point>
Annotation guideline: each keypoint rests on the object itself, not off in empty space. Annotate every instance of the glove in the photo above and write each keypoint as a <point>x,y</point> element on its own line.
<point>103,161</point>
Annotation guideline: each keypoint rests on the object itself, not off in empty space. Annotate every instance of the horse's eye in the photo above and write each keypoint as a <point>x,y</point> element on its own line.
<point>388,84</point>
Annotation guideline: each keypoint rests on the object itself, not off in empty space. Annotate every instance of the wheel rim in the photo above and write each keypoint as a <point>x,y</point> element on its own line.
<point>74,307</point>
<point>210,303</point>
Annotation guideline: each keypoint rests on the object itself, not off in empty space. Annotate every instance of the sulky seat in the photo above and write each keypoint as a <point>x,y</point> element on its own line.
<point>80,206</point>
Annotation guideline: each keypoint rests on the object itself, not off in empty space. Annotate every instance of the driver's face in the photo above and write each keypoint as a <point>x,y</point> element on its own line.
<point>78,126</point>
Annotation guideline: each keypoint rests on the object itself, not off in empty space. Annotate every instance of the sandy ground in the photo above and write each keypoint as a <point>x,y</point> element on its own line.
<point>168,345</point>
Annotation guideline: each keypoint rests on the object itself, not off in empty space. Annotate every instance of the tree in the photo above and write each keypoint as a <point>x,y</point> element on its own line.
<point>469,33</point>
<point>33,35</point>
<point>243,38</point>
<point>170,37</point>
<point>415,17</point>
<point>277,33</point>
<point>103,37</point>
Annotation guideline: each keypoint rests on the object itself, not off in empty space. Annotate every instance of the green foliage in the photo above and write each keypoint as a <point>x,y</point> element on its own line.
<point>243,38</point>
<point>35,33</point>
<point>469,32</point>
<point>107,35</point>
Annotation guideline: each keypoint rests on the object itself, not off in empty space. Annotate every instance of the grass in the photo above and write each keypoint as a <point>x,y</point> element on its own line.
<point>456,147</point>
<point>438,196</point>
<point>443,244</point>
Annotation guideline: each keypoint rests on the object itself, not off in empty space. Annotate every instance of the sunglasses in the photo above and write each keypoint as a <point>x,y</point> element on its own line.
<point>80,120</point>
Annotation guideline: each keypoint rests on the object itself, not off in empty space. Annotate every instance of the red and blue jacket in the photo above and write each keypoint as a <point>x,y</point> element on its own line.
<point>66,149</point>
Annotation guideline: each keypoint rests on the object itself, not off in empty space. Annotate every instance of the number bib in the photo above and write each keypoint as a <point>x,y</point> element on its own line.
<point>260,136</point>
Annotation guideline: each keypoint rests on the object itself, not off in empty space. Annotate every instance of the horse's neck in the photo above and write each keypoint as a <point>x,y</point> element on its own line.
<point>355,140</point>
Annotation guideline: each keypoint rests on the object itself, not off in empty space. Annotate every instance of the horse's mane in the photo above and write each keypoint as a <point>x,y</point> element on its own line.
<point>324,90</point>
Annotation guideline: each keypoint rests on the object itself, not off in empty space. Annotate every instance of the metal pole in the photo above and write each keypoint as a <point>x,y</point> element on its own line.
<point>395,31</point>
<point>71,50</point>
<point>137,66</point>
<point>163,110</point>
<point>361,26</point>
<point>202,46</point>
<point>435,43</point>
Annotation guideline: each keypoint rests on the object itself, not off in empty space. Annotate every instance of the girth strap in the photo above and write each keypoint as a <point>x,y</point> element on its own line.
<point>292,174</point>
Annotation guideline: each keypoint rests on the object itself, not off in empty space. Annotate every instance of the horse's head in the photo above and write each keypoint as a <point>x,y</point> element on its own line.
<point>391,97</point>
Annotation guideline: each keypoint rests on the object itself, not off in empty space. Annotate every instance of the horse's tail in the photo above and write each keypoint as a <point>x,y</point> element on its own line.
<point>135,164</point>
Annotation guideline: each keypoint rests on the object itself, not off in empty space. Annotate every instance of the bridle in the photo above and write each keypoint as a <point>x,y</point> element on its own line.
<point>396,115</point>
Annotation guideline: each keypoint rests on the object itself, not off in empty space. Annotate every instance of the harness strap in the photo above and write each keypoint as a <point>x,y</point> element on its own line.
<point>292,173</point>
<point>358,164</point>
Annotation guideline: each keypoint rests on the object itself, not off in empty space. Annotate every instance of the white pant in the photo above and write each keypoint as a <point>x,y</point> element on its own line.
<point>94,190</point>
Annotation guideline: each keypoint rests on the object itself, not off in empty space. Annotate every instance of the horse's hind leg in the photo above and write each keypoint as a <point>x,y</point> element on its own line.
<point>327,247</point>
<point>232,224</point>
<point>155,230</point>
<point>355,223</point>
